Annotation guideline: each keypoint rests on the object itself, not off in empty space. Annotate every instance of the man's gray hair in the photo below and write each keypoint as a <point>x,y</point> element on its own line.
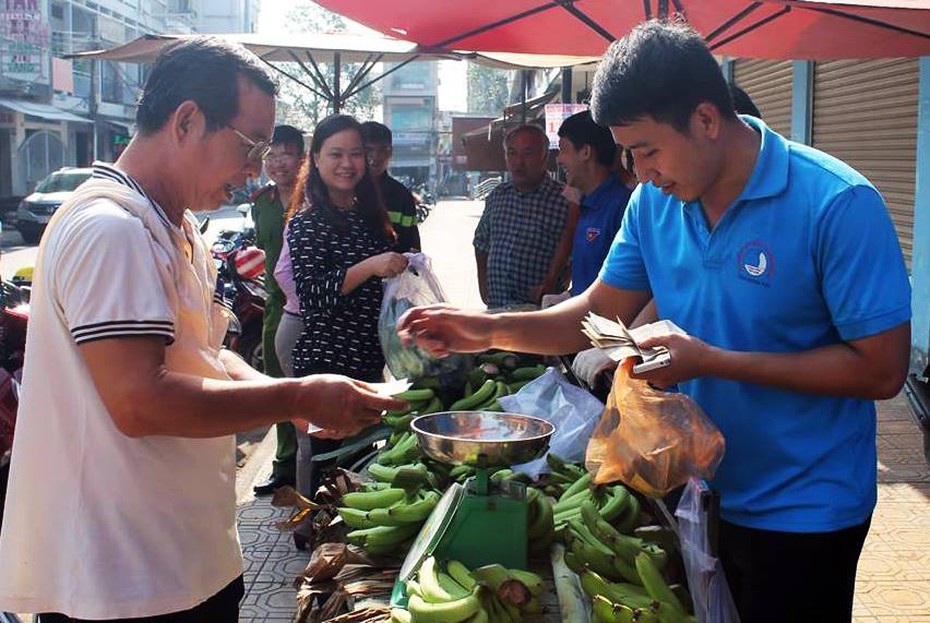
<point>531,129</point>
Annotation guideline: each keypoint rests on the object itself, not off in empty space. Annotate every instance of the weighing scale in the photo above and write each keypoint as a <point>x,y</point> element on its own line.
<point>481,521</point>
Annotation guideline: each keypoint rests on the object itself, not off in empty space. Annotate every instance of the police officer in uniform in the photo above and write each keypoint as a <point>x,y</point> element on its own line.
<point>269,204</point>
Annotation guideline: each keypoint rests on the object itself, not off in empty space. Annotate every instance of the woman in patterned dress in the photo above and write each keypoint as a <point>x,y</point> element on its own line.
<point>340,242</point>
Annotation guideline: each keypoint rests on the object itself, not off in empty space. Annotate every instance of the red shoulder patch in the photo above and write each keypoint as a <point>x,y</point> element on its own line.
<point>261,191</point>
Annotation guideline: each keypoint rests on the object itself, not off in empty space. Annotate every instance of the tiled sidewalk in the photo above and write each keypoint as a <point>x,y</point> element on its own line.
<point>894,573</point>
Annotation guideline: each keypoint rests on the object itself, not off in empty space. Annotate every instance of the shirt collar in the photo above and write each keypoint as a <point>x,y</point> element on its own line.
<point>770,175</point>
<point>105,170</point>
<point>603,191</point>
<point>545,186</point>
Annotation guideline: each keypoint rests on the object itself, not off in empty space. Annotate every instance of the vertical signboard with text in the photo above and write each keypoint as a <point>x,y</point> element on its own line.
<point>24,41</point>
<point>555,115</point>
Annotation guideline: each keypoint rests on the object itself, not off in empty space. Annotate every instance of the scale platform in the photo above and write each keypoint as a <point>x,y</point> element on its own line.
<point>480,522</point>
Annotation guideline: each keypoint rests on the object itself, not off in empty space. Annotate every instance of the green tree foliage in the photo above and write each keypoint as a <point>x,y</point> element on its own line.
<point>488,89</point>
<point>298,105</point>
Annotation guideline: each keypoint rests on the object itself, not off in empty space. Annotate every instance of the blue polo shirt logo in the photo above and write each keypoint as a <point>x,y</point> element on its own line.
<point>756,263</point>
<point>592,233</point>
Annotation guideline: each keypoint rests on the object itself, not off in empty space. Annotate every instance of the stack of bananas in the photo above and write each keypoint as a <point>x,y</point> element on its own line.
<point>419,402</point>
<point>540,527</point>
<point>562,475</point>
<point>489,594</point>
<point>386,520</point>
<point>621,573</point>
<point>614,503</point>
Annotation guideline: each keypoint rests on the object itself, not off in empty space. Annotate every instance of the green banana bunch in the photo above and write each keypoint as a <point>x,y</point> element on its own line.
<point>521,376</point>
<point>630,595</point>
<point>384,520</point>
<point>454,611</point>
<point>460,473</point>
<point>562,472</point>
<point>404,450</point>
<point>500,390</point>
<point>605,611</point>
<point>436,595</point>
<point>400,420</point>
<point>416,395</point>
<point>480,396</point>
<point>369,500</point>
<point>383,539</point>
<point>504,359</point>
<point>672,610</point>
<point>541,525</point>
<point>405,475</point>
<point>625,547</point>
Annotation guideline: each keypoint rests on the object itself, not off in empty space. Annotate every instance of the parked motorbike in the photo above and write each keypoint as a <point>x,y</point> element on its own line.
<point>14,317</point>
<point>240,285</point>
<point>425,201</point>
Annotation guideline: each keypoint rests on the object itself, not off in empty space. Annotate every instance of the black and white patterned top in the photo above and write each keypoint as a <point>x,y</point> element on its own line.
<point>340,331</point>
<point>520,232</point>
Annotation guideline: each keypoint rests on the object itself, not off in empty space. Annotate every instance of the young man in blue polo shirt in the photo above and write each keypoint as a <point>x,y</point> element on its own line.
<point>586,153</point>
<point>782,265</point>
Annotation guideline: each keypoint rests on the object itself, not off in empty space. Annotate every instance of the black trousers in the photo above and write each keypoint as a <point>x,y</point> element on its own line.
<point>221,608</point>
<point>789,576</point>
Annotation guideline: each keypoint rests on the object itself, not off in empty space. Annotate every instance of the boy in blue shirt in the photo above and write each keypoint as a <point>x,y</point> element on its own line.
<point>782,265</point>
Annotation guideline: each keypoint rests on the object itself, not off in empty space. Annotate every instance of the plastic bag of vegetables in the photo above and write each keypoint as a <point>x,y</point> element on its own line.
<point>417,285</point>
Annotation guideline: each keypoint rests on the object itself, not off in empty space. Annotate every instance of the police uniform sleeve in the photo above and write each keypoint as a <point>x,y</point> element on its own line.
<point>107,277</point>
<point>624,267</point>
<point>412,233</point>
<point>863,275</point>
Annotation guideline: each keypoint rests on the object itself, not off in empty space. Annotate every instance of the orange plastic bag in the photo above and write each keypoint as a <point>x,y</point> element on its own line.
<point>651,440</point>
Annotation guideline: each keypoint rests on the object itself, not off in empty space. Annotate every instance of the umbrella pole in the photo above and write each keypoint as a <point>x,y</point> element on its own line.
<point>524,86</point>
<point>337,94</point>
<point>567,85</point>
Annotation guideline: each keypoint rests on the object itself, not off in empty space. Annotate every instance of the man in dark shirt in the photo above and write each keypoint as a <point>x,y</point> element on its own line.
<point>400,202</point>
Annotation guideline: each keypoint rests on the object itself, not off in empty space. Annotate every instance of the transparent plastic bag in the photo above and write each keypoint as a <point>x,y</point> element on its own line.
<point>707,582</point>
<point>416,285</point>
<point>572,410</point>
<point>651,440</point>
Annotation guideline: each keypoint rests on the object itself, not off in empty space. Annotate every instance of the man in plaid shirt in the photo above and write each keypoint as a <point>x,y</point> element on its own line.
<point>522,224</point>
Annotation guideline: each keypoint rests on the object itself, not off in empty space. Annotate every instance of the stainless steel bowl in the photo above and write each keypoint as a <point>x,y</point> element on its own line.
<point>482,437</point>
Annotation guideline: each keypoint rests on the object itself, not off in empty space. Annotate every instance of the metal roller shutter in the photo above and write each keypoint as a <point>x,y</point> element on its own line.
<point>865,113</point>
<point>769,85</point>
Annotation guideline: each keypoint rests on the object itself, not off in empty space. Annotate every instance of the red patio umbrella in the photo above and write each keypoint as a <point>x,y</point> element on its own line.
<point>789,29</point>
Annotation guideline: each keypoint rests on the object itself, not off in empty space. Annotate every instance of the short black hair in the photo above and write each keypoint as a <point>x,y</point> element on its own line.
<point>378,133</point>
<point>204,70</point>
<point>288,135</point>
<point>661,69</point>
<point>742,103</point>
<point>581,130</point>
<point>531,129</point>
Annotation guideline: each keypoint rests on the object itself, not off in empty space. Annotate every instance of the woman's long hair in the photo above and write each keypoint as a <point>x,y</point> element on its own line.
<point>312,192</point>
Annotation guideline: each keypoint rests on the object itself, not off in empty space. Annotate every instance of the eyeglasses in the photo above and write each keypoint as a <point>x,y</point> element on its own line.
<point>258,151</point>
<point>272,158</point>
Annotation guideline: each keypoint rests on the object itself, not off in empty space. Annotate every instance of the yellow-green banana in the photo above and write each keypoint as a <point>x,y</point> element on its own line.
<point>368,500</point>
<point>447,612</point>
